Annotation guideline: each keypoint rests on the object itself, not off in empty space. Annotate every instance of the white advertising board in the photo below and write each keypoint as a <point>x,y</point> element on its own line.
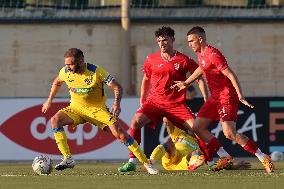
<point>26,132</point>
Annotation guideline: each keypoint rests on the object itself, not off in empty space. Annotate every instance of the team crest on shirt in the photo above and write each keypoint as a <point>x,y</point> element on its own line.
<point>88,81</point>
<point>176,65</point>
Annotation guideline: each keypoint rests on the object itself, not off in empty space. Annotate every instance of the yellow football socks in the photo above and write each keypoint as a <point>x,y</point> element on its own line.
<point>135,148</point>
<point>158,153</point>
<point>61,141</point>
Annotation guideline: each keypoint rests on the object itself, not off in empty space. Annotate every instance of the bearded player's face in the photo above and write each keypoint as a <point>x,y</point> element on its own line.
<point>70,64</point>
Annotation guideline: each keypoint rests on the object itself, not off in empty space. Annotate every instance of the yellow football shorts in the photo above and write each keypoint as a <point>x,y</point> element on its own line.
<point>98,116</point>
<point>178,162</point>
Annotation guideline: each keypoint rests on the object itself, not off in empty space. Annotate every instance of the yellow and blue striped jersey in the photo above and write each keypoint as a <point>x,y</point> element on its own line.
<point>86,89</point>
<point>183,141</point>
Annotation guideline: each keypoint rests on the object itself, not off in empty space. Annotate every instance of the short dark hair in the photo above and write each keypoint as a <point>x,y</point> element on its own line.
<point>77,54</point>
<point>164,30</point>
<point>196,30</point>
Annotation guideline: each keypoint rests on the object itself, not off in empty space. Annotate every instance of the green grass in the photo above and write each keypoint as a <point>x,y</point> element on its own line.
<point>104,175</point>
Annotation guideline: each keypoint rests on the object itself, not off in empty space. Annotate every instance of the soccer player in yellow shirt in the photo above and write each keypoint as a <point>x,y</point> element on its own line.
<point>181,151</point>
<point>86,82</point>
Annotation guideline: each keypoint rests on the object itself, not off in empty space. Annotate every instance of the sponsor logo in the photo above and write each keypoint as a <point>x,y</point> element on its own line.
<point>250,125</point>
<point>81,90</point>
<point>32,129</point>
<point>276,125</point>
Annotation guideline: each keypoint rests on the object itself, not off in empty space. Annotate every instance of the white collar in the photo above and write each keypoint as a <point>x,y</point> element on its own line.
<point>204,50</point>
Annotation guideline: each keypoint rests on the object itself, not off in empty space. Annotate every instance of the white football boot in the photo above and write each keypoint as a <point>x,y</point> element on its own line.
<point>65,163</point>
<point>150,169</point>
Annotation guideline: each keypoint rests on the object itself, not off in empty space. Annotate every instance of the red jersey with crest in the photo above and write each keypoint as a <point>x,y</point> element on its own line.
<point>212,63</point>
<point>163,73</point>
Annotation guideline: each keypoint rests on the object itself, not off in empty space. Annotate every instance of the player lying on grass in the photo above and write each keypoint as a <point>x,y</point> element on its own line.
<point>181,152</point>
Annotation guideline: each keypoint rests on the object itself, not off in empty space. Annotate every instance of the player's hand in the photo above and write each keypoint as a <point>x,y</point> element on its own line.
<point>115,110</point>
<point>46,106</point>
<point>245,102</point>
<point>179,85</point>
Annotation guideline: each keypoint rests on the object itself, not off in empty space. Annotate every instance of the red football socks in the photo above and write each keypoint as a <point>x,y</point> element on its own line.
<point>136,134</point>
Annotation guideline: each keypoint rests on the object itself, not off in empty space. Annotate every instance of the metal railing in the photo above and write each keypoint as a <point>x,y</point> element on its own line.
<point>141,9</point>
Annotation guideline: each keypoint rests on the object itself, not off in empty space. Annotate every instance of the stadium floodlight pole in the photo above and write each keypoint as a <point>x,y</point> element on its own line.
<point>125,68</point>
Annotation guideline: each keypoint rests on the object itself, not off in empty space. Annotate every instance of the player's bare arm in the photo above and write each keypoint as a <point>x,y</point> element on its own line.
<point>233,78</point>
<point>145,85</point>
<point>203,88</point>
<point>56,84</point>
<point>180,85</point>
<point>117,90</point>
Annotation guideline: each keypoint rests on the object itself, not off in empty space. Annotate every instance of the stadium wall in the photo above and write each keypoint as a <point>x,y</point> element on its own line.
<point>32,53</point>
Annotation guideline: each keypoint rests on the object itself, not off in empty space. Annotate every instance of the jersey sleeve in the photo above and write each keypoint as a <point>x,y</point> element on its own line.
<point>218,60</point>
<point>104,76</point>
<point>147,67</point>
<point>62,74</point>
<point>192,65</point>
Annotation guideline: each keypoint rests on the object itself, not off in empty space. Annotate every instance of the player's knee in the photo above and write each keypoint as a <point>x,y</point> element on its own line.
<point>54,122</point>
<point>138,122</point>
<point>230,135</point>
<point>57,121</point>
<point>122,138</point>
<point>134,124</point>
<point>121,135</point>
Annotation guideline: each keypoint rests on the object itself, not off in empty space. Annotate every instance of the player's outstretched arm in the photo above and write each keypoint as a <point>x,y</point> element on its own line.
<point>118,91</point>
<point>233,78</point>
<point>56,84</point>
<point>180,85</point>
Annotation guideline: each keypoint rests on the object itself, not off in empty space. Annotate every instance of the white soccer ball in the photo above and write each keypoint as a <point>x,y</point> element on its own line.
<point>277,156</point>
<point>42,165</point>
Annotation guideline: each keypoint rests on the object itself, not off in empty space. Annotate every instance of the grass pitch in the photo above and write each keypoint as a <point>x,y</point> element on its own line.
<point>104,175</point>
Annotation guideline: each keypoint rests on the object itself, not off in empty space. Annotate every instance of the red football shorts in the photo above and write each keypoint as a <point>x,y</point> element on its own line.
<point>176,113</point>
<point>215,110</point>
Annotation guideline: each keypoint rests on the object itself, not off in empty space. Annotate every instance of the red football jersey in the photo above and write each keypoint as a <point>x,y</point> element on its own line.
<point>212,63</point>
<point>163,73</point>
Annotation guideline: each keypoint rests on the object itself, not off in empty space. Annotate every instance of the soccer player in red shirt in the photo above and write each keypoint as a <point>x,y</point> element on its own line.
<point>161,69</point>
<point>225,96</point>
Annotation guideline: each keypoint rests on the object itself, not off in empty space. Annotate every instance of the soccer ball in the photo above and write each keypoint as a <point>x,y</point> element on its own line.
<point>277,156</point>
<point>42,165</point>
